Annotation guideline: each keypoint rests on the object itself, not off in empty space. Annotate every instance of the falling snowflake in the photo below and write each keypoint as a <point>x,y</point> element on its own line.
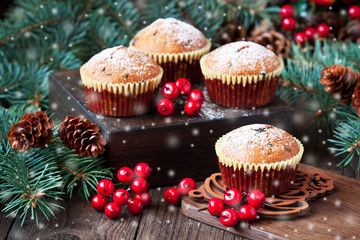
<point>337,203</point>
<point>172,141</point>
<point>171,173</point>
<point>305,138</point>
<point>195,132</point>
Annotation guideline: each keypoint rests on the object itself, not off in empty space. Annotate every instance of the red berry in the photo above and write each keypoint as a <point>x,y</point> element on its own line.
<point>139,185</point>
<point>142,170</point>
<point>256,199</point>
<point>125,175</point>
<point>323,30</point>
<point>232,197</point>
<point>170,90</point>
<point>134,206</point>
<point>186,185</point>
<point>310,33</point>
<point>184,86</point>
<point>192,107</point>
<point>324,3</point>
<point>354,12</point>
<point>348,2</point>
<point>172,196</point>
<point>229,217</point>
<point>165,107</point>
<point>105,187</point>
<point>112,210</point>
<point>144,198</point>
<point>287,11</point>
<point>359,40</point>
<point>121,197</point>
<point>197,95</point>
<point>300,38</point>
<point>216,206</point>
<point>247,213</point>
<point>288,23</point>
<point>98,202</point>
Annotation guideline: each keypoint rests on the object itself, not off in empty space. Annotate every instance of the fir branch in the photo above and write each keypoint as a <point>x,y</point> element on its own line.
<point>346,141</point>
<point>121,20</point>
<point>286,83</point>
<point>86,9</point>
<point>30,28</point>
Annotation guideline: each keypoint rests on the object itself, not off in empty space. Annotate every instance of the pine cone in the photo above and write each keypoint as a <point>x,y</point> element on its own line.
<point>33,131</point>
<point>81,135</point>
<point>350,32</point>
<point>274,41</point>
<point>233,32</point>
<point>356,99</point>
<point>340,81</point>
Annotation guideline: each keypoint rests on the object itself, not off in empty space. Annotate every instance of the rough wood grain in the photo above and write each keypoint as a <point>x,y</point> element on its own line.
<point>177,146</point>
<point>78,221</point>
<point>336,215</point>
<point>5,224</point>
<point>162,221</point>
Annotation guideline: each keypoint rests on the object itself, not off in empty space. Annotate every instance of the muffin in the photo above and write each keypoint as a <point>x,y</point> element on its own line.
<point>120,81</point>
<point>241,75</point>
<point>176,46</point>
<point>259,156</point>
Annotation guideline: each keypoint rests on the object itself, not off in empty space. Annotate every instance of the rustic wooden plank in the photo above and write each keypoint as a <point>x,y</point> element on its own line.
<point>78,221</point>
<point>161,221</point>
<point>334,215</point>
<point>132,139</point>
<point>5,223</point>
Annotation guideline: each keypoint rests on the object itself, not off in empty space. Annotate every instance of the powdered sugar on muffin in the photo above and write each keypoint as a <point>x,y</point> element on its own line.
<point>259,143</point>
<point>169,36</point>
<point>121,64</point>
<point>242,58</point>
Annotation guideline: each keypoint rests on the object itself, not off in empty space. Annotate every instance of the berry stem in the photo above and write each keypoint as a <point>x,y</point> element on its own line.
<point>202,209</point>
<point>248,224</point>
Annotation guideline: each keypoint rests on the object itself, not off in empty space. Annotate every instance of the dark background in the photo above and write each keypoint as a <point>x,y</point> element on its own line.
<point>4,5</point>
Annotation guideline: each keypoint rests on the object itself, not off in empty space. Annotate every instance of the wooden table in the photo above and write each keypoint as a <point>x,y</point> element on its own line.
<point>80,221</point>
<point>160,221</point>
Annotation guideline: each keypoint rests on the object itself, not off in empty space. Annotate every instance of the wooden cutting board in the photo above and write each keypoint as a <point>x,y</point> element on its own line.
<point>335,216</point>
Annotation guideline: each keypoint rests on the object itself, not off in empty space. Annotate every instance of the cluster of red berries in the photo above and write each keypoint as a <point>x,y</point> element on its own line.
<point>173,195</point>
<point>289,23</point>
<point>233,198</point>
<point>182,87</point>
<point>121,197</point>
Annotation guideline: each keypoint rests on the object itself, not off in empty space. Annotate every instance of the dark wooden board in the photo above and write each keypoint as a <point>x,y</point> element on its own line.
<point>177,146</point>
<point>336,215</point>
<point>159,221</point>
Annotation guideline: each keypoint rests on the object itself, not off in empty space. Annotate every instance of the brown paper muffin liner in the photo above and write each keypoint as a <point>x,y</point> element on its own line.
<point>270,178</point>
<point>120,99</point>
<point>179,65</point>
<point>240,91</point>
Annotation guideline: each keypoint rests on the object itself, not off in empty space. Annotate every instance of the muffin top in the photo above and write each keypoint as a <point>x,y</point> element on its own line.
<point>121,65</point>
<point>242,58</point>
<point>169,35</point>
<point>258,143</point>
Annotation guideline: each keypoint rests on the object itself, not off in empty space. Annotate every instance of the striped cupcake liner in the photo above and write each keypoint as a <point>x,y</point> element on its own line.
<point>120,99</point>
<point>270,182</point>
<point>118,105</point>
<point>239,96</point>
